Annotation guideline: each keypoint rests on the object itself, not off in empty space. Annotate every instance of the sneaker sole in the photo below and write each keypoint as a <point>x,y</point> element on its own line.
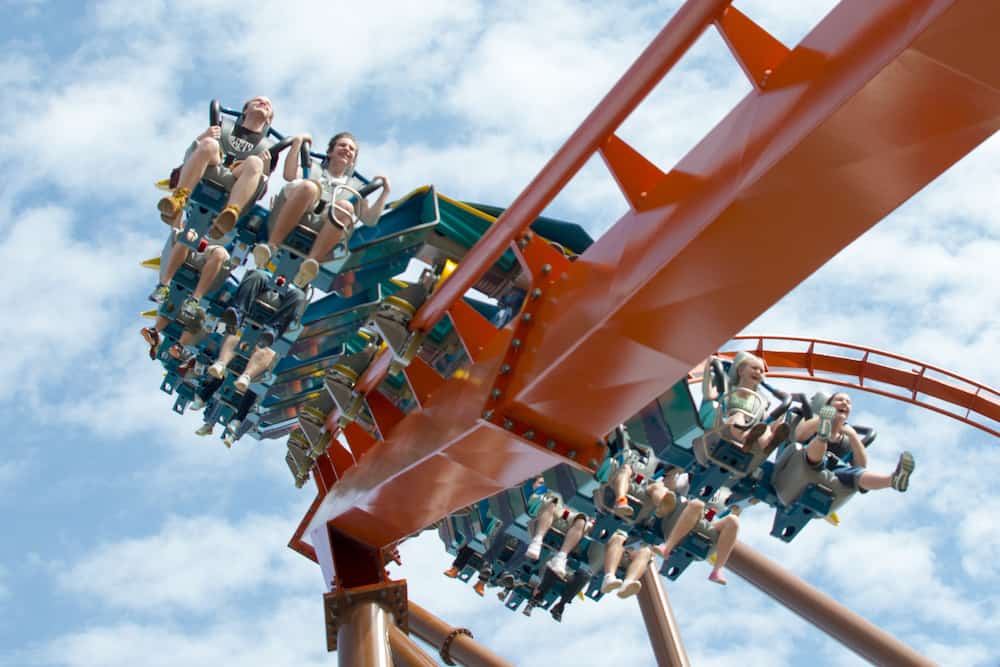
<point>168,213</point>
<point>150,340</point>
<point>905,469</point>
<point>261,256</point>
<point>306,273</point>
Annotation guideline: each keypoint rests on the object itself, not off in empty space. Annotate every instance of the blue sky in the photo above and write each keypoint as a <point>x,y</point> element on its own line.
<point>128,540</point>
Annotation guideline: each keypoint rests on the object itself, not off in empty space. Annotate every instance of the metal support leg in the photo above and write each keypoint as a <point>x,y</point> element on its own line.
<point>461,648</point>
<point>362,638</point>
<point>406,652</point>
<point>661,626</point>
<point>853,631</point>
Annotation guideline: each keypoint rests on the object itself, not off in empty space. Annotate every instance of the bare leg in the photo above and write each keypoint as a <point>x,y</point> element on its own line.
<point>638,562</point>
<point>728,528</point>
<point>612,559</point>
<point>206,153</point>
<point>574,535</point>
<point>543,521</point>
<point>228,351</point>
<point>300,196</point>
<point>871,481</point>
<point>161,323</point>
<point>816,450</point>
<point>174,262</point>
<point>330,235</point>
<point>248,174</point>
<point>259,361</point>
<point>217,256</point>
<point>664,499</point>
<point>685,524</point>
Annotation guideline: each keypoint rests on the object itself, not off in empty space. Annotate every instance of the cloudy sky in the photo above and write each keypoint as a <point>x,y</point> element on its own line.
<point>129,541</point>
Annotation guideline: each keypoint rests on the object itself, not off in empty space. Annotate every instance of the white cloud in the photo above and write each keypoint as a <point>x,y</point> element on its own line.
<point>193,565</point>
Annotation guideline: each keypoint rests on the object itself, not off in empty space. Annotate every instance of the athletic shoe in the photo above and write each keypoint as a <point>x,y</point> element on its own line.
<point>262,255</point>
<point>308,271</point>
<point>534,550</point>
<point>901,476</point>
<point>205,429</point>
<point>224,222</point>
<point>629,588</point>
<point>160,294</point>
<point>611,583</point>
<point>558,565</point>
<point>242,383</point>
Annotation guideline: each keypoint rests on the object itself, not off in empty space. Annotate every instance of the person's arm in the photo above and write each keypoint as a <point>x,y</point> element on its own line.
<point>859,455</point>
<point>708,390</point>
<point>292,170</point>
<point>370,214</point>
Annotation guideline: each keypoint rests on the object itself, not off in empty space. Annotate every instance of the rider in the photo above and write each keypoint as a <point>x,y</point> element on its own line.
<point>289,303</point>
<point>234,154</point>
<point>743,405</point>
<point>312,200</point>
<point>829,430</point>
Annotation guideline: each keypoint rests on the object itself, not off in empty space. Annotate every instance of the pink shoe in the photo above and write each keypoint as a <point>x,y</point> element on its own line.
<point>717,576</point>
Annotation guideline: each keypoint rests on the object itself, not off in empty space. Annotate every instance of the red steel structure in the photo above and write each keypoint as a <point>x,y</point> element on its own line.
<point>874,103</point>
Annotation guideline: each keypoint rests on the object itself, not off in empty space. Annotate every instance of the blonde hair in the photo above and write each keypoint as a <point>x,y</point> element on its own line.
<point>741,358</point>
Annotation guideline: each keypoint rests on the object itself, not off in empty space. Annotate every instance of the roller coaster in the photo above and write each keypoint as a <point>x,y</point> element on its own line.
<point>575,417</point>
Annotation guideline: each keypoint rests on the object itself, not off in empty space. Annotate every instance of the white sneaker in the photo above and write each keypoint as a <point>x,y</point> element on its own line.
<point>205,429</point>
<point>261,255</point>
<point>611,582</point>
<point>308,270</point>
<point>196,404</point>
<point>534,550</point>
<point>217,370</point>
<point>242,383</point>
<point>558,565</point>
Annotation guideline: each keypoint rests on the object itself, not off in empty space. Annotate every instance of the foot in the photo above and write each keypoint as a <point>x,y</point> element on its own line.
<point>629,588</point>
<point>217,370</point>
<point>558,565</point>
<point>160,294</point>
<point>451,573</point>
<point>667,505</point>
<point>172,205</point>
<point>231,318</point>
<point>534,550</point>
<point>197,404</point>
<point>557,611</point>
<point>622,508</point>
<point>262,254</point>
<point>901,475</point>
<point>717,576</point>
<point>224,222</point>
<point>242,383</point>
<point>308,271</point>
<point>611,583</point>
<point>152,338</point>
<point>480,588</point>
<point>191,308</point>
<point>661,549</point>
<point>205,429</point>
<point>826,416</point>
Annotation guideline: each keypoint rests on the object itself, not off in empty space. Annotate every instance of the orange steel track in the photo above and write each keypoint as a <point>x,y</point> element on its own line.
<point>876,101</point>
<point>823,361</point>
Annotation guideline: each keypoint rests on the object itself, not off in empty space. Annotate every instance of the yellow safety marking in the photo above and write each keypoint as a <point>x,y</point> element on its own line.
<point>151,314</point>
<point>832,519</point>
<point>151,263</point>
<point>163,185</point>
<point>449,268</point>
